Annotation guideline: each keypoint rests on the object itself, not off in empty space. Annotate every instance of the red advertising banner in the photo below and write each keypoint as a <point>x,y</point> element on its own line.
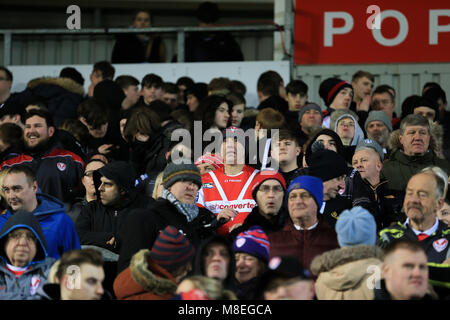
<point>371,31</point>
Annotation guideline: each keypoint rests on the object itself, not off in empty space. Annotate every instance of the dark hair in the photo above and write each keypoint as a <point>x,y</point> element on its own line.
<point>77,129</point>
<point>125,81</point>
<point>285,134</point>
<point>185,81</point>
<point>106,68</point>
<point>199,90</point>
<point>361,74</point>
<point>238,87</point>
<point>78,257</point>
<point>141,10</point>
<point>206,111</point>
<point>73,74</point>
<point>170,87</point>
<point>142,120</point>
<point>384,88</point>
<point>430,85</point>
<point>269,83</point>
<point>236,98</point>
<point>94,112</point>
<point>10,133</point>
<point>208,12</point>
<point>40,113</point>
<point>9,75</point>
<point>408,105</point>
<point>297,86</point>
<point>39,101</point>
<point>435,93</point>
<point>151,80</point>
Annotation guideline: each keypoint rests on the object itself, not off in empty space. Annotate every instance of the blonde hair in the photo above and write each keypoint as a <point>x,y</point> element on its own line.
<point>158,182</point>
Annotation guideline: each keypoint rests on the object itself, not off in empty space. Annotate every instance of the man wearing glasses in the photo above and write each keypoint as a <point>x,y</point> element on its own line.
<point>24,263</point>
<point>269,214</point>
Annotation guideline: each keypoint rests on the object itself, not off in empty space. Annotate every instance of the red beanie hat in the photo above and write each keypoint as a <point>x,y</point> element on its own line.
<point>264,175</point>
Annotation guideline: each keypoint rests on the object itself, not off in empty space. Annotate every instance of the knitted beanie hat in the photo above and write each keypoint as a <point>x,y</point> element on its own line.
<point>211,158</point>
<point>307,107</point>
<point>253,241</point>
<point>73,74</point>
<point>328,132</point>
<point>327,165</point>
<point>329,88</point>
<point>311,184</point>
<point>356,226</point>
<point>369,143</point>
<point>378,115</point>
<point>172,249</point>
<point>264,175</point>
<point>182,171</point>
<point>120,172</point>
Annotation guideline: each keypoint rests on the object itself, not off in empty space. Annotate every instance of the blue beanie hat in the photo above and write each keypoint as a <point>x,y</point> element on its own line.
<point>311,184</point>
<point>253,241</point>
<point>356,226</point>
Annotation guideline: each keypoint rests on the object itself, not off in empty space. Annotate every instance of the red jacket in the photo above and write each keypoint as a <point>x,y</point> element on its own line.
<point>144,280</point>
<point>303,244</point>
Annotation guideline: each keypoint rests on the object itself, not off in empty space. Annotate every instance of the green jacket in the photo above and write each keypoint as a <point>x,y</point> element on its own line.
<point>400,167</point>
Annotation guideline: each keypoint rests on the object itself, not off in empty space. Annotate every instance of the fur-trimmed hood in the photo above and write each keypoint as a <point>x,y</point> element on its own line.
<point>337,257</point>
<point>150,276</point>
<point>66,83</point>
<point>436,140</point>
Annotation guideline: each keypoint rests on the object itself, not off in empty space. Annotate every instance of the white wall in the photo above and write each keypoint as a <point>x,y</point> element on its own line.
<point>247,72</point>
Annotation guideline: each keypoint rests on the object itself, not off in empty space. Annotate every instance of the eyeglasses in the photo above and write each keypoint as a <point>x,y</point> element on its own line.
<point>16,236</point>
<point>275,189</point>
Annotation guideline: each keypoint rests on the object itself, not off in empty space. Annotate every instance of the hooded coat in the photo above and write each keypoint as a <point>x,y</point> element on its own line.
<point>144,280</point>
<point>63,95</point>
<point>97,223</point>
<point>399,168</point>
<point>57,226</point>
<point>342,274</point>
<point>36,275</point>
<point>230,282</point>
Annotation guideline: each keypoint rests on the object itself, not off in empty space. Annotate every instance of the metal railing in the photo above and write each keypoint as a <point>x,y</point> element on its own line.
<point>180,31</point>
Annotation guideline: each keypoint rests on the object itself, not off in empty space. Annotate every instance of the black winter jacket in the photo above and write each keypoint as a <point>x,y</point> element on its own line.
<point>142,227</point>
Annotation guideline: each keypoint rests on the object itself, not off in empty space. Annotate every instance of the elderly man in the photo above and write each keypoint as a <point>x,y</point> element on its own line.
<point>366,189</point>
<point>405,273</point>
<point>175,207</point>
<point>415,153</point>
<point>424,197</point>
<point>269,213</point>
<point>21,191</point>
<point>305,234</point>
<point>378,127</point>
<point>24,263</point>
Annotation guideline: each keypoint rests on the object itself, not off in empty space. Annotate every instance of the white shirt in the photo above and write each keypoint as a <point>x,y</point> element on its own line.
<point>310,228</point>
<point>428,232</point>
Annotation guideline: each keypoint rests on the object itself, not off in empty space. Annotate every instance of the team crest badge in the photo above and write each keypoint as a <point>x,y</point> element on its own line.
<point>208,185</point>
<point>61,166</point>
<point>240,242</point>
<point>440,245</point>
<point>35,281</point>
<point>274,263</point>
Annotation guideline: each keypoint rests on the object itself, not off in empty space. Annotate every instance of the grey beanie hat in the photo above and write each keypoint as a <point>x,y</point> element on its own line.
<point>377,115</point>
<point>356,226</point>
<point>307,107</point>
<point>369,143</point>
<point>183,171</point>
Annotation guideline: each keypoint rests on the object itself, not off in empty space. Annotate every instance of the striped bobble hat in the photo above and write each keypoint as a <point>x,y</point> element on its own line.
<point>181,171</point>
<point>171,249</point>
<point>253,241</point>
